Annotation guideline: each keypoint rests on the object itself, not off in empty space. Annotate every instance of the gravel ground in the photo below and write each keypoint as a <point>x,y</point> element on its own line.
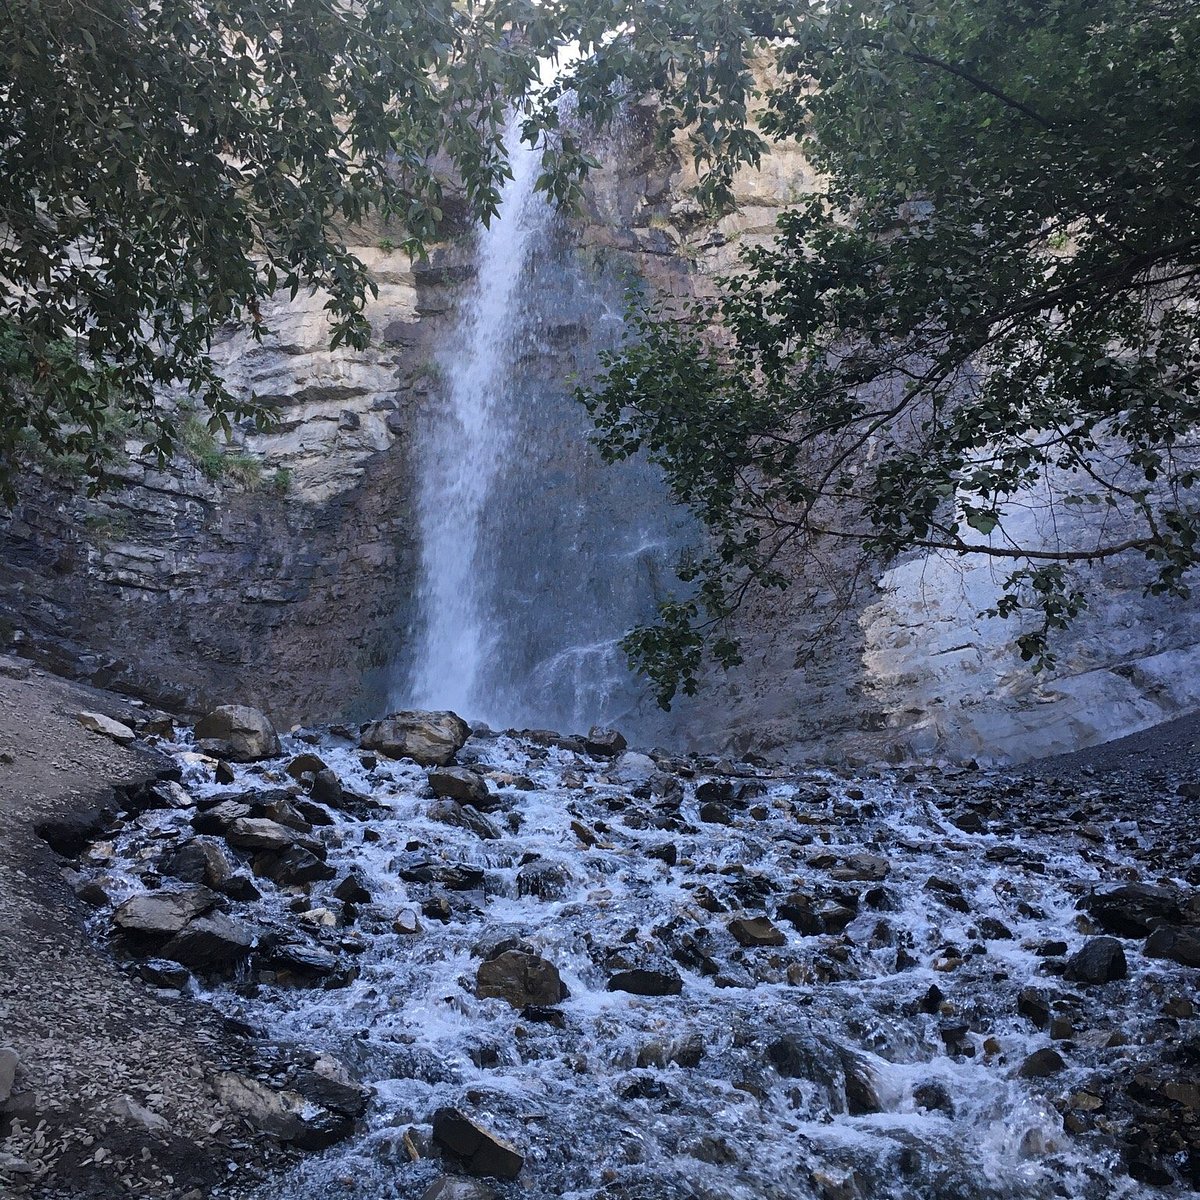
<point>112,1094</point>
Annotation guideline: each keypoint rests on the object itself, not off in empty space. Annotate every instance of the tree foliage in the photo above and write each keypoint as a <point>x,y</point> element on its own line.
<point>984,321</point>
<point>166,167</point>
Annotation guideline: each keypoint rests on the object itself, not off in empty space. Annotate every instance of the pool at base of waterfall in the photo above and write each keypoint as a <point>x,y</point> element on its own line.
<point>603,975</point>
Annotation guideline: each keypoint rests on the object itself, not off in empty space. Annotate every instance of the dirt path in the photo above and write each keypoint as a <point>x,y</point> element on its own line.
<point>112,1094</point>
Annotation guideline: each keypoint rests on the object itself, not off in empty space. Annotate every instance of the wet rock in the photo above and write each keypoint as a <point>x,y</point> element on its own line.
<point>844,1076</point>
<point>713,813</point>
<point>98,892</point>
<point>1099,960</point>
<point>304,963</point>
<point>948,892</point>
<point>461,784</point>
<point>261,833</point>
<point>431,739</point>
<point>211,943</point>
<point>1034,1006</point>
<point>994,929</point>
<point>200,860</point>
<point>286,1115</point>
<point>546,881</point>
<point>218,818</point>
<point>158,793</point>
<point>458,877</point>
<point>295,865</point>
<point>163,913</point>
<point>223,773</point>
<point>1041,1064</point>
<point>478,1150</point>
<point>1134,909</point>
<point>70,834</point>
<point>406,923</point>
<point>353,889</point>
<point>1181,946</point>
<point>668,852</point>
<point>756,931</point>
<point>715,791</point>
<point>644,981</point>
<point>450,1188</point>
<point>933,1096</point>
<point>327,788</point>
<point>520,979</point>
<point>237,733</point>
<point>305,764</point>
<point>160,972</point>
<point>464,816</point>
<point>99,723</point>
<point>869,868</point>
<point>604,743</point>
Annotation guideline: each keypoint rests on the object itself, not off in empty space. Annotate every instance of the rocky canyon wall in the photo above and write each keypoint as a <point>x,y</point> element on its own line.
<point>280,571</point>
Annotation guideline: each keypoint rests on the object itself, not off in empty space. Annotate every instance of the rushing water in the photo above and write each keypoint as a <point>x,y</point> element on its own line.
<point>881,1094</point>
<point>535,557</point>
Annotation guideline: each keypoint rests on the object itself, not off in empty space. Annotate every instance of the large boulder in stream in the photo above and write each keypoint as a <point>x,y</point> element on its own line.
<point>477,1150</point>
<point>237,733</point>
<point>429,738</point>
<point>164,913</point>
<point>521,979</point>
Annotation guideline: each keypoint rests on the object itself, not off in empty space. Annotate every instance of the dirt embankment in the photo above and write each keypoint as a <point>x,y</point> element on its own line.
<point>112,1092</point>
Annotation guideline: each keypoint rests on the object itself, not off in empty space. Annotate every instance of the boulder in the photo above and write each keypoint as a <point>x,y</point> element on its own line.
<point>429,738</point>
<point>261,833</point>
<point>458,877</point>
<point>237,733</point>
<point>461,784</point>
<point>643,981</point>
<point>1041,1064</point>
<point>602,742</point>
<point>305,764</point>
<point>464,816</point>
<point>1181,946</point>
<point>520,979</point>
<point>99,723</point>
<point>545,880</point>
<point>1099,960</point>
<point>478,1150</point>
<point>292,866</point>
<point>286,1115</point>
<point>1134,909</point>
<point>200,860</point>
<point>755,931</point>
<point>163,973</point>
<point>163,913</point>
<point>211,943</point>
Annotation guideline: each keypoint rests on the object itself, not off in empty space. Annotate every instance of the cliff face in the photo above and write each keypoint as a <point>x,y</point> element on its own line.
<point>284,576</point>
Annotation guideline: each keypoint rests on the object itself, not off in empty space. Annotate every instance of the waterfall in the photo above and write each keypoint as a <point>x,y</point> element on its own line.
<point>536,557</point>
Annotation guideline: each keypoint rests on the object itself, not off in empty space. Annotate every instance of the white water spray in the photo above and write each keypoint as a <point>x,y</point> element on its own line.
<point>464,448</point>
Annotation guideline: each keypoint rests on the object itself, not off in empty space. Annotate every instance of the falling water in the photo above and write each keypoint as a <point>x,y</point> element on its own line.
<point>536,558</point>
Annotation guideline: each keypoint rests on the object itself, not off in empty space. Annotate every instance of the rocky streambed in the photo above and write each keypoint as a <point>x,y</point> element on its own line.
<point>477,964</point>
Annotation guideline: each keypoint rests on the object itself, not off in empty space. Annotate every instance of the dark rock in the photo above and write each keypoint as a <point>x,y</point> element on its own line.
<point>756,931</point>
<point>237,733</point>
<point>429,738</point>
<point>305,963</point>
<point>1041,1064</point>
<point>546,881</point>
<point>458,877</point>
<point>949,892</point>
<point>220,816</point>
<point>604,743</point>
<point>164,974</point>
<point>1099,960</point>
<point>211,943</point>
<point>305,764</point>
<point>223,773</point>
<point>1134,909</point>
<point>464,816</point>
<point>200,860</point>
<point>1181,946</point>
<point>294,866</point>
<point>933,1096</point>
<point>715,814</point>
<point>1033,1005</point>
<point>72,832</point>
<point>641,981</point>
<point>478,1150</point>
<point>353,889</point>
<point>520,979</point>
<point>461,784</point>
<point>870,868</point>
<point>718,791</point>
<point>261,833</point>
<point>667,852</point>
<point>327,788</point>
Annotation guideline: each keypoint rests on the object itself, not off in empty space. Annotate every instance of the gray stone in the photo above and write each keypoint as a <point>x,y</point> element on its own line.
<point>163,913</point>
<point>237,733</point>
<point>286,1114</point>
<point>1133,909</point>
<point>211,943</point>
<point>643,981</point>
<point>200,860</point>
<point>1181,946</point>
<point>461,784</point>
<point>755,931</point>
<point>261,833</point>
<point>1100,960</point>
<point>520,979</point>
<point>429,738</point>
<point>480,1151</point>
<point>10,1060</point>
<point>1041,1064</point>
<point>99,723</point>
<point>604,743</point>
<point>464,816</point>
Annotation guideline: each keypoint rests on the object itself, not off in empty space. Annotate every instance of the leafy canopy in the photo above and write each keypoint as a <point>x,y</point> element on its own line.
<point>165,167</point>
<point>983,322</point>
